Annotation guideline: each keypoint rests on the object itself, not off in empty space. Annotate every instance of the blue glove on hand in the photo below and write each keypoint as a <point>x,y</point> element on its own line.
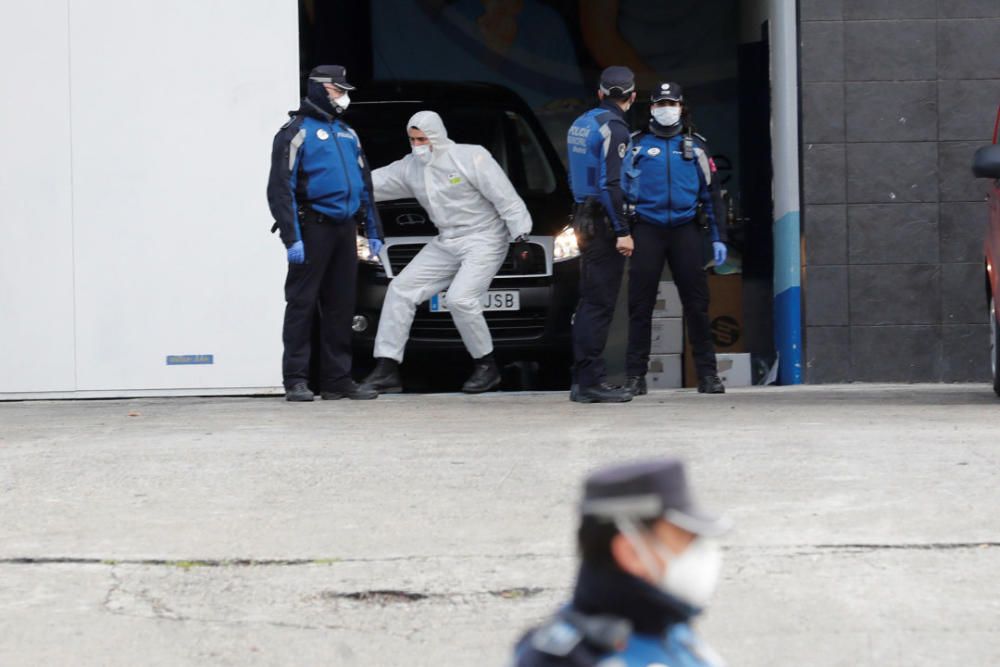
<point>719,250</point>
<point>297,253</point>
<point>375,246</point>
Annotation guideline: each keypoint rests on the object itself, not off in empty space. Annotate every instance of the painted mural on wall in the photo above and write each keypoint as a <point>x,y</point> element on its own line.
<point>550,52</point>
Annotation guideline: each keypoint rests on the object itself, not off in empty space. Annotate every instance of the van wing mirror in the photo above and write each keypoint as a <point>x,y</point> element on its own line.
<point>986,163</point>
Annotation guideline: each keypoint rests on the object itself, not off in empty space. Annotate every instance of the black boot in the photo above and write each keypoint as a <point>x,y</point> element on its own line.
<point>711,384</point>
<point>385,378</point>
<point>299,393</point>
<point>602,393</point>
<point>636,384</point>
<point>351,390</point>
<point>485,376</point>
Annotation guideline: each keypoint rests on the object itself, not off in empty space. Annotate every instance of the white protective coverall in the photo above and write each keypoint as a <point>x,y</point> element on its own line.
<point>477,213</point>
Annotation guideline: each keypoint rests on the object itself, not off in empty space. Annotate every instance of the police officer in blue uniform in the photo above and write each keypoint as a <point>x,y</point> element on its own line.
<point>319,191</point>
<point>668,182</point>
<point>649,565</point>
<point>597,143</point>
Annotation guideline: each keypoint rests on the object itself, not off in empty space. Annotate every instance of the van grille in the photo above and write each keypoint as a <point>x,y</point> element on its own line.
<point>401,254</point>
<point>428,326</point>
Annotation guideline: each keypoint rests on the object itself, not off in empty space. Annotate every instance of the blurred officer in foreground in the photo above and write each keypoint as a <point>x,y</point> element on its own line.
<point>597,141</point>
<point>320,188</point>
<point>649,566</point>
<point>668,183</point>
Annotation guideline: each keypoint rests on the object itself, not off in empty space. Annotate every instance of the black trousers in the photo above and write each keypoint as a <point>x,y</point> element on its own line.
<point>601,269</point>
<point>682,248</point>
<point>324,286</point>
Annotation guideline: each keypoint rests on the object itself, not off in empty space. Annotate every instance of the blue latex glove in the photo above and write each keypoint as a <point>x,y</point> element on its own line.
<point>719,250</point>
<point>375,246</point>
<point>297,253</point>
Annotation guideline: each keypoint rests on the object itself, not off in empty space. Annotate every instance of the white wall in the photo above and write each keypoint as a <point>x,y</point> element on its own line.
<point>173,106</point>
<point>36,233</point>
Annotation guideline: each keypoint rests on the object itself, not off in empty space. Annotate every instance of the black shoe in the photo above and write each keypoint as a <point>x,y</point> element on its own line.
<point>711,384</point>
<point>385,378</point>
<point>353,391</point>
<point>636,384</point>
<point>485,376</point>
<point>299,392</point>
<point>602,393</point>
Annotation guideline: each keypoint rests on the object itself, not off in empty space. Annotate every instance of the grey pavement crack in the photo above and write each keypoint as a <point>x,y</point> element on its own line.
<point>184,563</point>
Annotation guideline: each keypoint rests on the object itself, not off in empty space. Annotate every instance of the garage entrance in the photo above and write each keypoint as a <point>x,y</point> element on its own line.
<point>550,53</point>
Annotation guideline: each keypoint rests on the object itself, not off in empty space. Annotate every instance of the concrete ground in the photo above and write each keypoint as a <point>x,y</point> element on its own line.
<point>430,530</point>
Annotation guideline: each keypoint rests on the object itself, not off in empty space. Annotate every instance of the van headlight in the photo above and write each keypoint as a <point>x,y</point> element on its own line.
<point>566,245</point>
<point>365,252</point>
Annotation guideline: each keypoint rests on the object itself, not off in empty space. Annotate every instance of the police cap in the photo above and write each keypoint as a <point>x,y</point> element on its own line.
<point>648,490</point>
<point>617,81</point>
<point>335,74</point>
<point>667,90</point>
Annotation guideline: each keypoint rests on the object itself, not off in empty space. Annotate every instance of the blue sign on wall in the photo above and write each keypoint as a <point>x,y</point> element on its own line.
<point>190,359</point>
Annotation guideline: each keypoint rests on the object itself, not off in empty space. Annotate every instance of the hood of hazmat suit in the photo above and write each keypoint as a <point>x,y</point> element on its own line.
<point>461,187</point>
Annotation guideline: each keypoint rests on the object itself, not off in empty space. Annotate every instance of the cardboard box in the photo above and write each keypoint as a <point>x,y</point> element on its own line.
<point>734,369</point>
<point>664,371</point>
<point>668,301</point>
<point>667,336</point>
<point>725,315</point>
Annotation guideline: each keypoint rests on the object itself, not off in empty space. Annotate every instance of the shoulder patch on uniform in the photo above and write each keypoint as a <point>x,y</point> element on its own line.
<point>556,638</point>
<point>622,148</point>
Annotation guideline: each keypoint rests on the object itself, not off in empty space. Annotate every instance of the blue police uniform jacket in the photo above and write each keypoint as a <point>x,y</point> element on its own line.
<point>562,642</point>
<point>597,141</point>
<point>663,186</point>
<point>317,162</point>
<point>616,620</point>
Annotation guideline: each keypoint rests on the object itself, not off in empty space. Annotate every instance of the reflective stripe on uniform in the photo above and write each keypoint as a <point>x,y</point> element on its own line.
<point>294,146</point>
<point>706,167</point>
<point>605,131</point>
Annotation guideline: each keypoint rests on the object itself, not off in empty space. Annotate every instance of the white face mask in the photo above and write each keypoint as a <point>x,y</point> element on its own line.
<point>423,153</point>
<point>666,116</point>
<point>343,101</point>
<point>691,577</point>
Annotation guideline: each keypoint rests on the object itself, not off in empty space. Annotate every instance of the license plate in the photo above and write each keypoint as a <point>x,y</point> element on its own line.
<point>492,301</point>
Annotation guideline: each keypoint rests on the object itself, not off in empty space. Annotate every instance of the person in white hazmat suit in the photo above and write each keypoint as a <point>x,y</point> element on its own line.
<point>478,214</point>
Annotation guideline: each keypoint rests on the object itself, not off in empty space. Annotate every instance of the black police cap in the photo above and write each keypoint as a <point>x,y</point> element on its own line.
<point>667,90</point>
<point>335,74</point>
<point>648,490</point>
<point>617,81</point>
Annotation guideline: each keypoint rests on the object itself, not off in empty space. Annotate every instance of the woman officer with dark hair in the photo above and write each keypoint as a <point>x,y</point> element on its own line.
<point>668,184</point>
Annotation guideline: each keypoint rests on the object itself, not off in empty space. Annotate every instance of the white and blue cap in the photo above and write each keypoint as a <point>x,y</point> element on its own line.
<point>649,490</point>
<point>335,74</point>
<point>617,81</point>
<point>667,90</point>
